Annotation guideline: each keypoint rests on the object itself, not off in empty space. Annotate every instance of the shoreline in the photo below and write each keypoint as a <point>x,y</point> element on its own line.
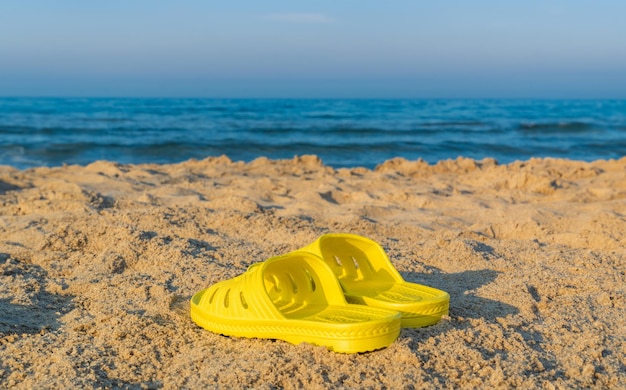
<point>225,159</point>
<point>98,262</point>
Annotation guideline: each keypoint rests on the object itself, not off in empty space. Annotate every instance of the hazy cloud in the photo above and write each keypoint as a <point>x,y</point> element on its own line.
<point>310,17</point>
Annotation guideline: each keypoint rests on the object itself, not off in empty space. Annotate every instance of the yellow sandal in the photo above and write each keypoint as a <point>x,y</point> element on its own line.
<point>296,298</point>
<point>368,278</point>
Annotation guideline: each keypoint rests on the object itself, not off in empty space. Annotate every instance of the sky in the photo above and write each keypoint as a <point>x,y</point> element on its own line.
<point>314,49</point>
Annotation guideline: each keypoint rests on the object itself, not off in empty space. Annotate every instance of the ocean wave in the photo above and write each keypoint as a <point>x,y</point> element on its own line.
<point>455,124</point>
<point>563,127</point>
<point>339,131</point>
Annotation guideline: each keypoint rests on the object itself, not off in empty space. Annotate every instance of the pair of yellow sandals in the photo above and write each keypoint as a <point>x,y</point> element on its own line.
<point>341,292</point>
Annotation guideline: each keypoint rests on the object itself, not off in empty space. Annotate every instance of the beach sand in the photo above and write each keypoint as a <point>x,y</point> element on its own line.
<point>98,263</point>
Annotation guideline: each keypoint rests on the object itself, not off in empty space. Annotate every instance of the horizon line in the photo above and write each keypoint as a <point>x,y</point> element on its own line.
<point>293,97</point>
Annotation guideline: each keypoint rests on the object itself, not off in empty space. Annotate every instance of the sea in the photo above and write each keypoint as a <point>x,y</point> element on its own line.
<point>343,133</point>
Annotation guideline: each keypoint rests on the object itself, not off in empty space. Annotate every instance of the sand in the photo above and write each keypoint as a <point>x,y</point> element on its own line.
<point>98,263</point>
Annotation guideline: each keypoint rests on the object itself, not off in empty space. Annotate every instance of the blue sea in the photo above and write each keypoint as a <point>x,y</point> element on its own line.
<point>343,133</point>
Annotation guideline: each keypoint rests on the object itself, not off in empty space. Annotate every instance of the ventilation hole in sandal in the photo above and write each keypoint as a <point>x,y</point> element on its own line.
<point>294,286</point>
<point>243,300</point>
<point>311,280</point>
<point>365,264</point>
<point>213,295</point>
<point>338,262</point>
<point>226,298</point>
<point>276,283</point>
<point>356,263</point>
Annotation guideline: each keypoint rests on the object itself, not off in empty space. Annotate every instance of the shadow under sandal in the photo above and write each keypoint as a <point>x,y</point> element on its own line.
<point>296,298</point>
<point>368,278</point>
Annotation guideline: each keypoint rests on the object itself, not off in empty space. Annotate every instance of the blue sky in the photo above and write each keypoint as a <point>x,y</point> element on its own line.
<point>338,48</point>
